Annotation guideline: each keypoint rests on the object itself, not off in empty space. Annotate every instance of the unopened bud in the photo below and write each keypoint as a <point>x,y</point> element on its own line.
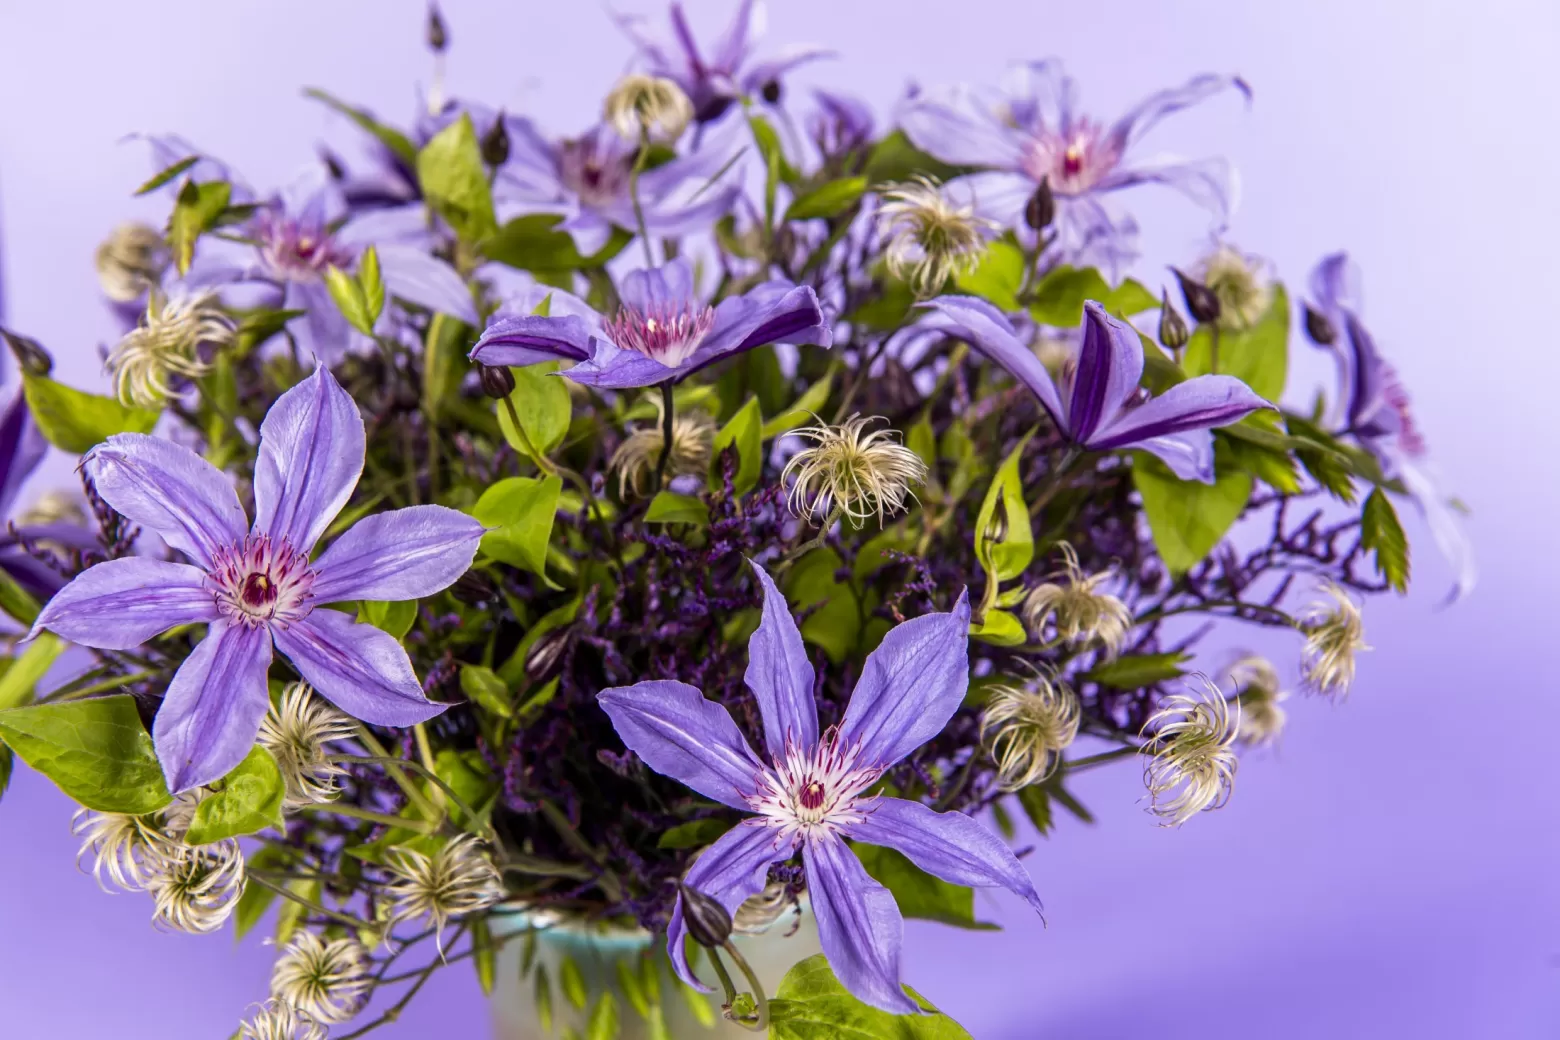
<point>495,143</point>
<point>1200,300</point>
<point>771,92</point>
<point>497,381</point>
<point>707,921</point>
<point>1319,327</point>
<point>30,354</point>
<point>438,36</point>
<point>997,526</point>
<point>542,660</point>
<point>1040,210</point>
<point>1173,332</point>
<point>474,589</point>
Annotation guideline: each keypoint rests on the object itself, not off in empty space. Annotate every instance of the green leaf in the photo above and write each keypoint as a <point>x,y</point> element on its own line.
<point>167,174</point>
<point>96,750</point>
<point>372,281</point>
<point>348,295</point>
<point>1128,298</point>
<point>17,603</point>
<point>544,1004</point>
<point>1004,539</point>
<point>532,243</point>
<point>628,982</point>
<point>23,672</point>
<point>74,420</point>
<point>290,914</point>
<point>391,138</point>
<point>455,182</point>
<point>484,688</point>
<point>1189,518</point>
<point>1059,298</point>
<point>197,209</point>
<point>827,200</point>
<point>603,1024</point>
<point>542,402</point>
<point>522,509</point>
<point>922,440</point>
<point>247,800</point>
<point>1381,532</point>
<point>999,628</point>
<point>668,507</point>
<point>484,955</point>
<point>918,893</point>
<point>444,362</point>
<point>572,982</point>
<point>1036,803</point>
<point>1331,471</point>
<point>694,834</point>
<point>1277,468</point>
<point>804,410</point>
<point>998,276</point>
<point>745,430</point>
<point>811,1004</point>
<point>394,617</point>
<point>895,159</point>
<point>257,899</point>
<point>467,775</point>
<point>836,624</point>
<point>1258,356</point>
<point>698,1004</point>
<point>1136,671</point>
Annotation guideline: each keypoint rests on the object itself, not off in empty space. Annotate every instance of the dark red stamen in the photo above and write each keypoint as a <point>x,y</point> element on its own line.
<point>812,795</point>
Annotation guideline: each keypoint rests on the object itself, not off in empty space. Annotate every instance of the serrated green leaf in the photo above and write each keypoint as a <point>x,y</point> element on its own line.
<point>1258,356</point>
<point>836,624</point>
<point>247,800</point>
<point>572,982</point>
<point>1331,472</point>
<point>997,277</point>
<point>694,834</point>
<point>603,1024</point>
<point>455,183</point>
<point>827,200</point>
<point>1135,671</point>
<point>1035,800</point>
<point>391,138</point>
<point>918,893</point>
<point>533,243</point>
<point>23,671</point>
<point>167,174</point>
<point>745,430</point>
<point>811,1004</point>
<point>669,507</point>
<point>542,403</point>
<point>1189,518</point>
<point>95,750</point>
<point>484,688</point>
<point>197,209</point>
<point>1382,533</point>
<point>74,420</point>
<point>394,617</point>
<point>521,509</point>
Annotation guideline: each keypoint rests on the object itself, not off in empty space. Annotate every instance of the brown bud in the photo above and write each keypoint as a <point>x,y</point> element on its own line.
<point>1200,301</point>
<point>495,143</point>
<point>1040,210</point>
<point>437,35</point>
<point>30,354</point>
<point>1173,332</point>
<point>771,92</point>
<point>497,381</point>
<point>474,588</point>
<point>707,921</point>
<point>1319,327</point>
<point>542,660</point>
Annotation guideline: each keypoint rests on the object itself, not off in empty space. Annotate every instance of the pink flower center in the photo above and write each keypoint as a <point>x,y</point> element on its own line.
<point>816,790</point>
<point>599,178</point>
<point>294,252</point>
<point>261,582</point>
<point>1073,162</point>
<point>669,333</point>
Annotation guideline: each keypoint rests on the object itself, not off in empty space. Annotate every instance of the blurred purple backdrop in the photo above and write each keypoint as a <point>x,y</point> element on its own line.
<point>1392,871</point>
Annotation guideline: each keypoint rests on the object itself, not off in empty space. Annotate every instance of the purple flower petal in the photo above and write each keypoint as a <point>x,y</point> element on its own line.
<point>910,686</point>
<point>398,555</point>
<point>733,868</point>
<point>311,455</point>
<point>612,367</point>
<point>323,331</point>
<point>987,330</point>
<point>427,281</point>
<point>1210,183</point>
<point>22,447</point>
<point>680,734</point>
<point>1188,454</point>
<point>1197,404</point>
<point>212,710</point>
<point>732,46</point>
<point>996,195</point>
<point>121,604</point>
<point>167,488</point>
<point>780,675</point>
<point>358,668</point>
<point>859,925</point>
<point>530,339</point>
<point>1143,116</point>
<point>756,320</point>
<point>1110,366</point>
<point>958,128</point>
<point>770,70</point>
<point>665,288</point>
<point>947,845</point>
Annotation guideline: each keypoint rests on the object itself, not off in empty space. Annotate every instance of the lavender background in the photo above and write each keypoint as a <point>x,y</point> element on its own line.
<point>1391,871</point>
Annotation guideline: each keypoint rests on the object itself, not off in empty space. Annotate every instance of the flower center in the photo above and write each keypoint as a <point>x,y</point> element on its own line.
<point>668,332</point>
<point>1074,162</point>
<point>295,251</point>
<point>816,790</point>
<point>598,176</point>
<point>262,581</point>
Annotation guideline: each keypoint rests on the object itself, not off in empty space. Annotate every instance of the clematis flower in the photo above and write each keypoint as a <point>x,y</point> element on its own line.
<point>713,84</point>
<point>1034,133</point>
<point>664,332</point>
<point>1374,407</point>
<point>1098,403</point>
<point>814,791</point>
<point>259,589</point>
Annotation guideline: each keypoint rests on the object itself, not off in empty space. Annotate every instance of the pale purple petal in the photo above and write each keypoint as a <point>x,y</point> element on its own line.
<point>591,231</point>
<point>613,368</point>
<point>211,713</point>
<point>859,925</point>
<point>771,69</point>
<point>530,339</point>
<point>401,225</point>
<point>22,447</point>
<point>947,845</point>
<point>358,668</point>
<point>311,455</point>
<point>1210,183</point>
<point>1110,366</point>
<point>522,295</point>
<point>667,220</point>
<point>780,675</point>
<point>679,733</point>
<point>1040,96</point>
<point>988,330</point>
<point>668,287</point>
<point>398,555</point>
<point>994,194</point>
<point>733,868</point>
<point>1367,373</point>
<point>1335,286</point>
<point>1445,523</point>
<point>424,280</point>
<point>1146,114</point>
<point>167,488</point>
<point>1189,455</point>
<point>758,319</point>
<point>731,47</point>
<point>959,128</point>
<point>910,686</point>
<point>322,331</point>
<point>1197,404</point>
<point>120,604</point>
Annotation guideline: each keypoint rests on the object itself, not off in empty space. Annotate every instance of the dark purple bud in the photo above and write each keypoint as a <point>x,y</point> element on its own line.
<point>29,353</point>
<point>438,36</point>
<point>474,588</point>
<point>332,164</point>
<point>1200,300</point>
<point>497,381</point>
<point>771,92</point>
<point>1040,210</point>
<point>1173,332</point>
<point>707,921</point>
<point>542,660</point>
<point>495,143</point>
<point>1319,327</point>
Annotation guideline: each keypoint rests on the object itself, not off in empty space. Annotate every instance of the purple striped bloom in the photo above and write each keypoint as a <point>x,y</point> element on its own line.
<point>814,790</point>
<point>664,331</point>
<point>257,589</point>
<point>1099,403</point>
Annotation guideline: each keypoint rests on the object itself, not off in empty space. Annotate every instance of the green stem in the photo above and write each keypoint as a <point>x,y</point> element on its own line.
<point>1234,604</point>
<point>668,411</point>
<point>353,812</point>
<point>1072,765</point>
<point>410,789</point>
<point>760,1019</point>
<point>449,792</point>
<point>264,881</point>
<point>543,463</point>
<point>1213,347</point>
<point>111,683</point>
<point>640,159</point>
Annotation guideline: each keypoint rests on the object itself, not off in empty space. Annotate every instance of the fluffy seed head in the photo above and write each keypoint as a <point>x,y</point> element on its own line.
<point>757,913</point>
<point>693,439</point>
<point>1193,763</point>
<point>325,980</point>
<point>279,1020</point>
<point>126,850</point>
<point>296,733</point>
<point>197,888</point>
<point>1241,283</point>
<point>648,105</point>
<point>167,343</point>
<point>456,880</point>
<point>1076,610</point>
<point>131,261</point>
<point>852,471</point>
<point>930,237</point>
<point>1026,726</point>
<point>1259,696</point>
<point>1334,634</point>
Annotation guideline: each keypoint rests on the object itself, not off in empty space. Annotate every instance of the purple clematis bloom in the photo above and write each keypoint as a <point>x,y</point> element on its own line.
<point>713,84</point>
<point>1034,133</point>
<point>663,333</point>
<point>1099,404</point>
<point>814,790</point>
<point>259,588</point>
<point>1375,408</point>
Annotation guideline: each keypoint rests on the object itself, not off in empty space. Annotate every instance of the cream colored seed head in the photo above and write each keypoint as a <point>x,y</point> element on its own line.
<point>1241,283</point>
<point>636,459</point>
<point>649,106</point>
<point>167,343</point>
<point>930,239</point>
<point>1335,635</point>
<point>1193,763</point>
<point>851,471</point>
<point>1076,610</point>
<point>1026,727</point>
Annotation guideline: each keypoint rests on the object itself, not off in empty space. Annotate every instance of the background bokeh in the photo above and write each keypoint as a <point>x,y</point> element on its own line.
<point>1390,870</point>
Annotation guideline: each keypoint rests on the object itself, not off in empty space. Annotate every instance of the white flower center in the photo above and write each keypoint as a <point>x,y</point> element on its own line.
<point>262,581</point>
<point>669,333</point>
<point>817,791</point>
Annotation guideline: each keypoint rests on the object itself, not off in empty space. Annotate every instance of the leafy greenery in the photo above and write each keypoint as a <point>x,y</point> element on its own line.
<point>812,1005</point>
<point>1135,671</point>
<point>1188,518</point>
<point>76,421</point>
<point>1382,533</point>
<point>455,182</point>
<point>95,750</point>
<point>918,893</point>
<point>248,799</point>
<point>1258,356</point>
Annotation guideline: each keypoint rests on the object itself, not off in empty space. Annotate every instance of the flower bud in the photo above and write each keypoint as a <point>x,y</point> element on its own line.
<point>542,660</point>
<point>1040,210</point>
<point>474,589</point>
<point>1173,332</point>
<point>30,354</point>
<point>1200,300</point>
<point>771,92</point>
<point>495,143</point>
<point>1319,327</point>
<point>438,36</point>
<point>497,381</point>
<point>707,921</point>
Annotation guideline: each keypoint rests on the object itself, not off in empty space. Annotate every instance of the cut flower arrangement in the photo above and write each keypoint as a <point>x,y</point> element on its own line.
<point>737,512</point>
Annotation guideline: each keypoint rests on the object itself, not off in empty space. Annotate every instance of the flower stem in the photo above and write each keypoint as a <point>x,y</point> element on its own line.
<point>113,682</point>
<point>759,1020</point>
<point>308,904</point>
<point>378,750</point>
<point>543,463</point>
<point>355,813</point>
<point>640,158</point>
<point>668,411</point>
<point>477,822</point>
<point>1073,765</point>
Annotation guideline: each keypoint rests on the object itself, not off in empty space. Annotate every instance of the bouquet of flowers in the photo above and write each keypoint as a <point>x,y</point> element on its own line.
<point>724,516</point>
